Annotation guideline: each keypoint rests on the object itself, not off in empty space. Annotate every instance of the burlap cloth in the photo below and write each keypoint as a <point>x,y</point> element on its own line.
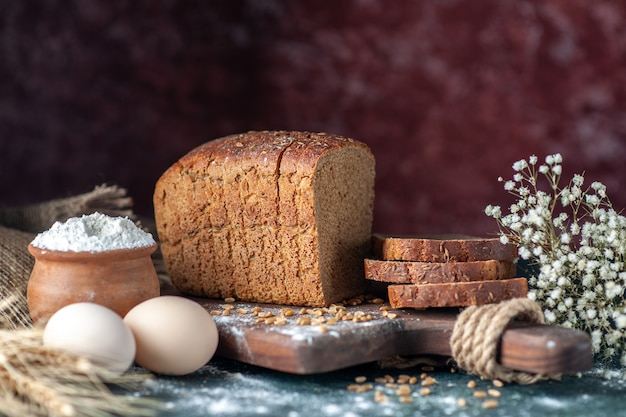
<point>18,227</point>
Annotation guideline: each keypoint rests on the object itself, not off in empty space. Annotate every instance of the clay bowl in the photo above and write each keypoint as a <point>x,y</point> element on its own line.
<point>118,279</point>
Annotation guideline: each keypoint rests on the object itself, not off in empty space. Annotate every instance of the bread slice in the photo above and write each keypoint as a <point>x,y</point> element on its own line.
<point>441,248</point>
<point>403,272</point>
<point>460,294</point>
<point>274,217</point>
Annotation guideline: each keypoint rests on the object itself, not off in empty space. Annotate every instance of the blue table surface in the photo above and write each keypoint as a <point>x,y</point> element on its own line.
<point>230,388</point>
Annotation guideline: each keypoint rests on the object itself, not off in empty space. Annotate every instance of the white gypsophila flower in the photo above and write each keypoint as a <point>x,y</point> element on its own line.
<point>580,252</point>
<point>549,316</point>
<point>578,180</point>
<point>520,165</point>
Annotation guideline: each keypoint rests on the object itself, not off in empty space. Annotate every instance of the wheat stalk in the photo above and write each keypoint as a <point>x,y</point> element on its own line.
<point>36,380</point>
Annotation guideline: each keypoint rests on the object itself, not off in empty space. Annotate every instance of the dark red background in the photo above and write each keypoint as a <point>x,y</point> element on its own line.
<point>448,94</point>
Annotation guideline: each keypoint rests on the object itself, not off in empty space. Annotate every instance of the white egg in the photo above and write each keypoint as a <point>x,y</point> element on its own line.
<point>93,331</point>
<point>174,335</point>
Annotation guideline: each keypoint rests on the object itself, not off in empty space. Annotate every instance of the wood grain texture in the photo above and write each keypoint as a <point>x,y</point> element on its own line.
<point>306,350</point>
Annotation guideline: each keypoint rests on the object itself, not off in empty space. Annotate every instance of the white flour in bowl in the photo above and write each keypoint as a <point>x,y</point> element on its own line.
<point>93,233</point>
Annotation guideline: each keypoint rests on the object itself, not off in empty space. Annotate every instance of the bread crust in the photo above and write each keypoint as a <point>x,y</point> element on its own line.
<point>460,294</point>
<point>441,248</point>
<point>236,218</point>
<point>404,272</point>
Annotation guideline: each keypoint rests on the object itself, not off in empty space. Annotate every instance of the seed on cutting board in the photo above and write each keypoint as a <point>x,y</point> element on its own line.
<point>461,402</point>
<point>216,312</point>
<point>490,404</point>
<point>425,391</point>
<point>287,312</point>
<point>471,384</point>
<point>242,311</point>
<point>360,379</point>
<point>226,312</point>
<point>229,300</point>
<point>354,302</point>
<point>498,383</point>
<point>317,321</point>
<point>303,321</point>
<point>280,321</point>
<point>378,301</point>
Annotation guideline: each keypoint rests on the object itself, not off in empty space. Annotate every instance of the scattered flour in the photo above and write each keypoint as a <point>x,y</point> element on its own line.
<point>93,233</point>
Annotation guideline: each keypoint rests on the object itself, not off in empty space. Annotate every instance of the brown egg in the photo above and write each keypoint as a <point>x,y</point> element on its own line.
<point>174,335</point>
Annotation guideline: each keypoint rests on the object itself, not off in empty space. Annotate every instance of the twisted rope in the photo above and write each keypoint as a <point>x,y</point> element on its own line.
<point>477,333</point>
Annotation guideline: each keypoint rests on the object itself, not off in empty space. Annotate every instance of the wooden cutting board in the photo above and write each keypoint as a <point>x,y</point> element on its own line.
<point>311,349</point>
